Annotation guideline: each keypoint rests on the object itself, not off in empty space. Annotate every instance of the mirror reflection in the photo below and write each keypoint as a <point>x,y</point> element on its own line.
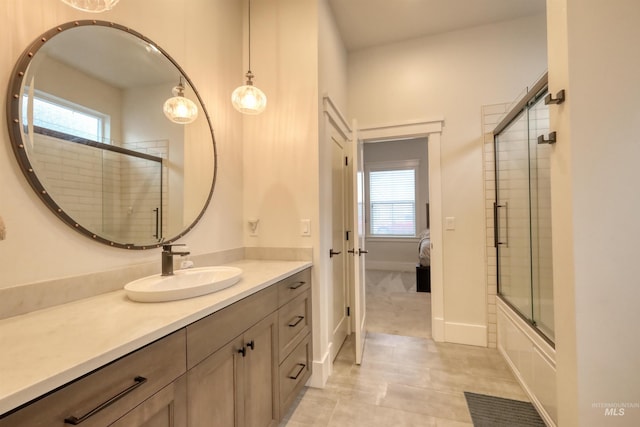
<point>95,143</point>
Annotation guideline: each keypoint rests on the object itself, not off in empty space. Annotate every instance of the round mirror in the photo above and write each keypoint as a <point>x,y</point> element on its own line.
<point>86,122</point>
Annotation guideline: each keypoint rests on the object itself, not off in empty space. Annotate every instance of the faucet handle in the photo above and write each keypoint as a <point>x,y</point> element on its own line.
<point>168,246</point>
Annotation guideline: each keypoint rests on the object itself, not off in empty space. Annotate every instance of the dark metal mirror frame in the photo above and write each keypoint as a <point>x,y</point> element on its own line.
<point>15,130</point>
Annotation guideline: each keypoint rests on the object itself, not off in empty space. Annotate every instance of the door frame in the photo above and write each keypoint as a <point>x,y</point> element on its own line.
<point>432,130</point>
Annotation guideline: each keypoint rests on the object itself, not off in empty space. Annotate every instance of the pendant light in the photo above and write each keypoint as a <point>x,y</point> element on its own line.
<point>94,6</point>
<point>248,99</point>
<point>180,109</point>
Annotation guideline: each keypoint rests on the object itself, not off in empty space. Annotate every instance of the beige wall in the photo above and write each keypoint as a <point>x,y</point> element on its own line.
<point>206,39</point>
<point>452,75</point>
<point>594,167</point>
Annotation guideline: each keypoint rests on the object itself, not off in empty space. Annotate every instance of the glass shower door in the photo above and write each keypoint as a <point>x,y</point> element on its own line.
<point>540,200</point>
<point>522,215</point>
<point>512,210</point>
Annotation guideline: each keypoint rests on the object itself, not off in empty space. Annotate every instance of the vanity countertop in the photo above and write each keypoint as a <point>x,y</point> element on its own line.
<point>45,349</point>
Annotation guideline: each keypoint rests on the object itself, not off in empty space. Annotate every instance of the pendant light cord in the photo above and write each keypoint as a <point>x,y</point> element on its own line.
<point>249,36</point>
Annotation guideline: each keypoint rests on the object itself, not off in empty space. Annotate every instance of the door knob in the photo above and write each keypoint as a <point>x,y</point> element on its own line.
<point>362,251</point>
<point>332,253</point>
<point>352,251</point>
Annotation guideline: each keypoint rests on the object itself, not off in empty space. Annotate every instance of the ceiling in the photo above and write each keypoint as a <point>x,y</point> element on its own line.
<point>366,23</point>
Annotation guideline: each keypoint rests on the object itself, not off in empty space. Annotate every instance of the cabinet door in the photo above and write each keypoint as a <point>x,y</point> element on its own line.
<point>260,373</point>
<point>166,408</point>
<point>215,394</point>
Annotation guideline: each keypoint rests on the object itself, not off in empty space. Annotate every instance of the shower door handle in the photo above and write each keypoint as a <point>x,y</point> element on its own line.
<point>496,225</point>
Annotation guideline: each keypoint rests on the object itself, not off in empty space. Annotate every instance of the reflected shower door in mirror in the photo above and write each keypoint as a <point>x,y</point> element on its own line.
<point>87,126</point>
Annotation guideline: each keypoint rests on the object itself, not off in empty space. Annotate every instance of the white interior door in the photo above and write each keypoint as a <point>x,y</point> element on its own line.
<point>337,253</point>
<point>358,251</point>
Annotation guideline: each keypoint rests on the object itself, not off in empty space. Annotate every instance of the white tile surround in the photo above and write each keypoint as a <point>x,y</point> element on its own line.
<point>102,328</point>
<point>491,116</point>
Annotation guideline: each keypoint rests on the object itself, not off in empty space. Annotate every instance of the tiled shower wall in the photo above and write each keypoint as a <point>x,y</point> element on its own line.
<point>491,116</point>
<point>72,174</point>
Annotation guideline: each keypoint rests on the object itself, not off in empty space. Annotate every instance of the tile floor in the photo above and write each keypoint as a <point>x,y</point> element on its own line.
<point>406,378</point>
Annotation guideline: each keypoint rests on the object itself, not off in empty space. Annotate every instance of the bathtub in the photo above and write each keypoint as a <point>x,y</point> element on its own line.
<point>532,359</point>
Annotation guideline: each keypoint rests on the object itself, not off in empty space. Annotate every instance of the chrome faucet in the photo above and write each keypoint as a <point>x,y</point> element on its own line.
<point>167,258</point>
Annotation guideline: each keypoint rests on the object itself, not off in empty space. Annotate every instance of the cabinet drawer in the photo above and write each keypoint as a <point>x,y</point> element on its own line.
<point>294,322</point>
<point>110,392</point>
<point>208,335</point>
<point>294,373</point>
<point>293,286</point>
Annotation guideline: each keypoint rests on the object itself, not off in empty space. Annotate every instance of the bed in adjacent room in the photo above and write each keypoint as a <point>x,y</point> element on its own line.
<point>423,269</point>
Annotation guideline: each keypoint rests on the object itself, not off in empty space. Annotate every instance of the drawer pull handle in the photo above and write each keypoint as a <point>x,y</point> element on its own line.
<point>75,421</point>
<point>302,366</point>
<point>295,323</point>
<point>296,285</point>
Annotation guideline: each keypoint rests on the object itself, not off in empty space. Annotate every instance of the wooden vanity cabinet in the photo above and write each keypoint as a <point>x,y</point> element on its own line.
<point>248,361</point>
<point>236,384</point>
<point>241,366</point>
<point>166,408</point>
<point>294,330</point>
<point>146,387</point>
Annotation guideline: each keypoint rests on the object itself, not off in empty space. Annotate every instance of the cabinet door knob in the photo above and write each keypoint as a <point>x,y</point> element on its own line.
<point>251,344</point>
<point>242,351</point>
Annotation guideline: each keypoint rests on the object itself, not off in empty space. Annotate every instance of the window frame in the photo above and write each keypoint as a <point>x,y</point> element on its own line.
<point>409,164</point>
<point>104,120</point>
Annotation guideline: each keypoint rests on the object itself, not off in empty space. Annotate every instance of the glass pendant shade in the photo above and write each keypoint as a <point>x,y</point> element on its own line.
<point>179,109</point>
<point>95,6</point>
<point>248,99</point>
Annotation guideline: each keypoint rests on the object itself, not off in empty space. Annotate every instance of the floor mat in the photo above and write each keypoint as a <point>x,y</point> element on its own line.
<point>491,411</point>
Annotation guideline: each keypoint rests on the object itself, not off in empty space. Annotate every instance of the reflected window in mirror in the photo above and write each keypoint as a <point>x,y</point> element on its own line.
<point>49,112</point>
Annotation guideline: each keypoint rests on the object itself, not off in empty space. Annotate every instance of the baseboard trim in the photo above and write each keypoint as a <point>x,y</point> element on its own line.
<point>465,333</point>
<point>391,266</point>
<point>437,329</point>
<point>321,370</point>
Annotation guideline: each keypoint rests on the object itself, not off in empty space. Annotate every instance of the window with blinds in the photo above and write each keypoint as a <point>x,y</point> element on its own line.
<point>392,202</point>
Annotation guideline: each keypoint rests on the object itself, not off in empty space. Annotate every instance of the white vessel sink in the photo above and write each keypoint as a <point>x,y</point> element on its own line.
<point>183,284</point>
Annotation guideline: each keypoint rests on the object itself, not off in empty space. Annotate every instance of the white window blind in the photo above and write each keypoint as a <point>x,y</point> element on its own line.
<point>392,202</point>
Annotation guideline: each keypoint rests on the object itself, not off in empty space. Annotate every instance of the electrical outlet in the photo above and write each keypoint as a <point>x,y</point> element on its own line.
<point>305,227</point>
<point>450,223</point>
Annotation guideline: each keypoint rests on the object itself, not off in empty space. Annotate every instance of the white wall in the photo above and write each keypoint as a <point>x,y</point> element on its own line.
<point>452,75</point>
<point>281,150</point>
<point>594,169</point>
<point>400,254</point>
<point>332,82</point>
<point>206,39</point>
<point>281,157</point>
